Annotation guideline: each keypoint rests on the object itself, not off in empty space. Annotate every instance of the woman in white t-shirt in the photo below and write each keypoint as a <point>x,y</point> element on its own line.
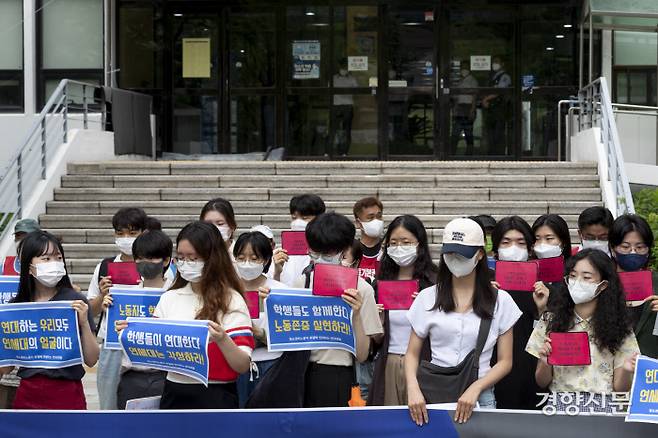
<point>208,288</point>
<point>450,314</point>
<point>406,256</point>
<point>253,257</point>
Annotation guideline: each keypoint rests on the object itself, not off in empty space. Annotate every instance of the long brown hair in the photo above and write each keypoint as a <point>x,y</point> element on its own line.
<point>218,276</point>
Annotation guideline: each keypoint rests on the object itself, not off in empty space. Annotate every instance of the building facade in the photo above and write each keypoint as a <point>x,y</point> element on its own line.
<point>366,79</point>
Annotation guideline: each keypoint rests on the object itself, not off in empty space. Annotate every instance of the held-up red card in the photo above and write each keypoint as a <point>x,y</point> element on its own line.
<point>551,269</point>
<point>396,294</point>
<point>637,285</point>
<point>252,299</point>
<point>516,275</point>
<point>332,280</point>
<point>294,242</point>
<point>123,273</point>
<point>569,349</point>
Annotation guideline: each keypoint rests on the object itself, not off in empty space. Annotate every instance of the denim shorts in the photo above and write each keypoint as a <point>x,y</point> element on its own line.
<point>487,399</point>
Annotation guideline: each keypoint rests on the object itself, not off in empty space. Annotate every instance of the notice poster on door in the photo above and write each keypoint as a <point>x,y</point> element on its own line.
<point>357,63</point>
<point>480,63</point>
<point>306,59</point>
<point>196,57</point>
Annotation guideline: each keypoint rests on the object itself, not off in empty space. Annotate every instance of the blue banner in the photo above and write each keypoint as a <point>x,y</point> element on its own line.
<point>39,335</point>
<point>299,321</point>
<point>644,394</point>
<point>168,345</point>
<point>8,287</point>
<point>127,303</point>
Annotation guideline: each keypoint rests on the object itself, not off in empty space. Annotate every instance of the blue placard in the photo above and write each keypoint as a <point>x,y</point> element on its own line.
<point>8,287</point>
<point>644,394</point>
<point>39,335</point>
<point>299,321</point>
<point>168,345</point>
<point>126,303</point>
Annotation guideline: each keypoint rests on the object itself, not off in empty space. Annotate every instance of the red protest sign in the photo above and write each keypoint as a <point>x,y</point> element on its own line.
<point>123,273</point>
<point>332,280</point>
<point>396,294</point>
<point>551,269</point>
<point>637,285</point>
<point>516,275</point>
<point>294,242</point>
<point>253,303</point>
<point>569,349</point>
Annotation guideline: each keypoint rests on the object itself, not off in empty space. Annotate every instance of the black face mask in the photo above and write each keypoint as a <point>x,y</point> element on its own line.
<point>149,270</point>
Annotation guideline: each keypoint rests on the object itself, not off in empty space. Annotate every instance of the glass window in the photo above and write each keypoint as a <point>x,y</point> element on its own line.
<point>252,124</point>
<point>252,54</point>
<point>547,47</point>
<point>140,37</point>
<point>539,125</point>
<point>639,87</point>
<point>354,132</point>
<point>307,125</point>
<point>410,123</point>
<point>196,55</point>
<point>635,48</point>
<point>355,44</point>
<point>195,124</point>
<point>11,49</point>
<point>307,45</point>
<point>72,34</point>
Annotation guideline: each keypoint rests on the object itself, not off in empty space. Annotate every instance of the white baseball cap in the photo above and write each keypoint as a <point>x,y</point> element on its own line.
<point>263,229</point>
<point>462,236</point>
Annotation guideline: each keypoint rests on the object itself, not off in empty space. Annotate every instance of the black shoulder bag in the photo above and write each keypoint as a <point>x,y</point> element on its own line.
<point>447,384</point>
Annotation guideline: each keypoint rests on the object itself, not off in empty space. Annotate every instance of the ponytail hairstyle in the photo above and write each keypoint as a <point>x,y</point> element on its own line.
<point>218,277</point>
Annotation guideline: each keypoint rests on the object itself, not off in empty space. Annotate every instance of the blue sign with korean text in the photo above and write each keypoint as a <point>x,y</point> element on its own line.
<point>39,335</point>
<point>127,303</point>
<point>168,345</point>
<point>644,394</point>
<point>8,287</point>
<point>306,59</point>
<point>308,322</point>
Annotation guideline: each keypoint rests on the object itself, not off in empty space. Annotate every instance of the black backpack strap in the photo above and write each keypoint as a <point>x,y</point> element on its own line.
<point>307,273</point>
<point>483,333</point>
<point>102,272</point>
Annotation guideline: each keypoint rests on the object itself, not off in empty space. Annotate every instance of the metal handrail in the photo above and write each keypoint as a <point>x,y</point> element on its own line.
<point>47,134</point>
<point>596,110</point>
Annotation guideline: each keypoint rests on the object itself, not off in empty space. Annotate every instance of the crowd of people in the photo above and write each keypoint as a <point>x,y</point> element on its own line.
<point>460,317</point>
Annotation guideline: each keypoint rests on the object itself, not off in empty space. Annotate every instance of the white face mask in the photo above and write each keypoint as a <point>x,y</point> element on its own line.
<point>582,291</point>
<point>249,270</point>
<point>546,251</point>
<point>601,245</point>
<point>495,66</point>
<point>513,253</point>
<point>125,244</point>
<point>298,225</point>
<point>225,230</point>
<point>459,265</point>
<point>373,228</point>
<point>327,259</point>
<point>190,271</point>
<point>403,255</point>
<point>49,273</point>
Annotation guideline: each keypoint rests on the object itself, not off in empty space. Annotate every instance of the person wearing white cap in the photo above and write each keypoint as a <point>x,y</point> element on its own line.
<point>453,313</point>
<point>265,231</point>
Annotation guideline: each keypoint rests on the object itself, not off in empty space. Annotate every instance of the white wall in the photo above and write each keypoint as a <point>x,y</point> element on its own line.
<point>637,134</point>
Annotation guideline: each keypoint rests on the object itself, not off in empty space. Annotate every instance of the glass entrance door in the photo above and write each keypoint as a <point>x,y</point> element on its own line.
<point>411,125</point>
<point>195,127</point>
<point>477,99</point>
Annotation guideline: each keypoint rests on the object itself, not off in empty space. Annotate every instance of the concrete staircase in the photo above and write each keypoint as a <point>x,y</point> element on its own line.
<point>174,192</point>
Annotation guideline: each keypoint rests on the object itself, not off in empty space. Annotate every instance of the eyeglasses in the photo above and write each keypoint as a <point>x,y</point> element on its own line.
<point>179,259</point>
<point>627,248</point>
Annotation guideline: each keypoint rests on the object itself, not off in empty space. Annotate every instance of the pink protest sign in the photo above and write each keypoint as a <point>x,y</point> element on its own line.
<point>332,280</point>
<point>252,299</point>
<point>294,242</point>
<point>396,294</point>
<point>569,349</point>
<point>637,285</point>
<point>123,273</point>
<point>551,269</point>
<point>516,275</point>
